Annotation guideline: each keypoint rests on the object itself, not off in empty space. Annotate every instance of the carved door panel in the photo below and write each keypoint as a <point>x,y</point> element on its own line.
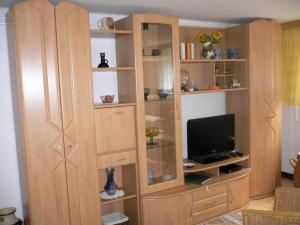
<point>40,111</point>
<point>265,107</point>
<point>72,22</point>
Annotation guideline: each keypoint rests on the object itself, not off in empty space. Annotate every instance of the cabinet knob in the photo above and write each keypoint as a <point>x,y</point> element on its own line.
<point>59,147</point>
<point>70,146</point>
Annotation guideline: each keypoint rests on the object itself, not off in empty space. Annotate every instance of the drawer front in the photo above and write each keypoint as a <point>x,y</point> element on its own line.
<point>115,129</point>
<point>209,213</point>
<point>208,191</point>
<point>118,159</point>
<point>209,202</point>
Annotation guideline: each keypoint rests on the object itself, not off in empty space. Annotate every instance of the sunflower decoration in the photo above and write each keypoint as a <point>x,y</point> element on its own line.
<point>209,42</point>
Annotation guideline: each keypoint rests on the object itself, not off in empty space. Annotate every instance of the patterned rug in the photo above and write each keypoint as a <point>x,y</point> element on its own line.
<point>228,219</point>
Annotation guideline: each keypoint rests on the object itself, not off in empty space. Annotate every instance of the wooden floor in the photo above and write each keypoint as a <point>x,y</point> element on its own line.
<point>268,202</point>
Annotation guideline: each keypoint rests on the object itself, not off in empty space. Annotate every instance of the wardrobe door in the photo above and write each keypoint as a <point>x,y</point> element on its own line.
<point>276,95</point>
<point>40,112</point>
<point>265,117</point>
<point>72,23</point>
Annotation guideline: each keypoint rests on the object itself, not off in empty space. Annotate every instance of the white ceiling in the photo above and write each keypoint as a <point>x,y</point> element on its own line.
<point>229,11</point>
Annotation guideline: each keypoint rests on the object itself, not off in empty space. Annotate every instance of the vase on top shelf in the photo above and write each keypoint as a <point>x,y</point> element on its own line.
<point>209,43</point>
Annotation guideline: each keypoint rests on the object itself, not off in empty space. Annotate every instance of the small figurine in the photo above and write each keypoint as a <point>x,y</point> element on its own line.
<point>235,83</point>
<point>227,71</point>
<point>195,86</point>
<point>103,62</point>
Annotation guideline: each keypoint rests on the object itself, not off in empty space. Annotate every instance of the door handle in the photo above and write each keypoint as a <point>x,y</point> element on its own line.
<point>115,113</point>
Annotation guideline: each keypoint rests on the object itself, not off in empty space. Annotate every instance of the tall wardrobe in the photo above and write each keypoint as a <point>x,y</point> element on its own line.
<point>265,106</point>
<point>56,109</point>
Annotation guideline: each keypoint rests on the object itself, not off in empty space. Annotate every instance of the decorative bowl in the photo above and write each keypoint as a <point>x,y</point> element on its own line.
<point>151,132</point>
<point>106,99</point>
<point>146,92</point>
<point>162,93</point>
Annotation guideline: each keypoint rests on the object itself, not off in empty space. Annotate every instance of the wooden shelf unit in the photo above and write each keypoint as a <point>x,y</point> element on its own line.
<point>100,33</point>
<point>211,60</point>
<point>156,58</point>
<point>211,91</point>
<point>199,167</point>
<point>115,124</point>
<point>101,105</point>
<point>110,201</point>
<point>112,69</point>
<point>188,187</point>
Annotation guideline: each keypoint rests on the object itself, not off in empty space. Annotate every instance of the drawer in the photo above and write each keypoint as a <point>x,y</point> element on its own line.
<point>209,213</point>
<point>115,129</point>
<point>117,159</point>
<point>209,202</point>
<point>209,191</point>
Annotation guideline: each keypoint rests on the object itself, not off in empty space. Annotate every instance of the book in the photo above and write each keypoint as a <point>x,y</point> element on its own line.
<point>182,50</point>
<point>196,178</point>
<point>188,50</point>
<point>192,51</point>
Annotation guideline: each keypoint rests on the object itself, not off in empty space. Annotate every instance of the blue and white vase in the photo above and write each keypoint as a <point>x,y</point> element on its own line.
<point>110,186</point>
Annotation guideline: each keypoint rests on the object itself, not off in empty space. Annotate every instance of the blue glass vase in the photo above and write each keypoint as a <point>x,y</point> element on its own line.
<point>110,186</point>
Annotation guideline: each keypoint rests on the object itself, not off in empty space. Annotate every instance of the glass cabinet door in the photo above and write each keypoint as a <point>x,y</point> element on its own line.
<point>159,105</point>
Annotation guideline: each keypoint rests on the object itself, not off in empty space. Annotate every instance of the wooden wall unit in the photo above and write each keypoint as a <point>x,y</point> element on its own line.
<point>116,125</point>
<point>69,142</point>
<point>57,112</point>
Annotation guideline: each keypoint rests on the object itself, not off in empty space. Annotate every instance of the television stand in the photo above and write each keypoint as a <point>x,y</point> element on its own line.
<point>213,159</point>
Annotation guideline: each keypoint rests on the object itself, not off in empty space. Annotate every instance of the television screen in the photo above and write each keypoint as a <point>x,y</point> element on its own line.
<point>210,137</point>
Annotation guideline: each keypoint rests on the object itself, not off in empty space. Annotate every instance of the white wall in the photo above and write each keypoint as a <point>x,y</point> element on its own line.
<point>198,106</point>
<point>290,136</point>
<point>10,194</point>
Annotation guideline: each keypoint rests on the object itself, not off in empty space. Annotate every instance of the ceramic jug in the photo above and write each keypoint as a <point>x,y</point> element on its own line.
<point>296,165</point>
<point>7,217</point>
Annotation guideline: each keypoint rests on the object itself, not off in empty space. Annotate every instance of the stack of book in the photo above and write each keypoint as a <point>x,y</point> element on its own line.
<point>187,50</point>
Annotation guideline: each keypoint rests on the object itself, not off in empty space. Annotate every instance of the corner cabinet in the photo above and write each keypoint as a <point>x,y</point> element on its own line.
<point>158,102</point>
<point>56,111</point>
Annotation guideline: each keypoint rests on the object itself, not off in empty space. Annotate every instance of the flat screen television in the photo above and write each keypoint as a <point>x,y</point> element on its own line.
<point>211,139</point>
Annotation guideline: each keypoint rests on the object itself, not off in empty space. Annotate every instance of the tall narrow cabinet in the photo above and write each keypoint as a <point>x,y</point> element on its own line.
<point>56,110</point>
<point>265,106</point>
<point>157,67</point>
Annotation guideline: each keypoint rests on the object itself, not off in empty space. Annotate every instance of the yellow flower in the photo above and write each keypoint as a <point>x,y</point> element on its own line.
<point>200,38</point>
<point>217,35</point>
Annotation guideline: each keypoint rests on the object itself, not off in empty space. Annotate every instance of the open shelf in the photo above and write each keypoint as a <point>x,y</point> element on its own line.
<point>156,58</point>
<point>112,69</point>
<point>209,91</point>
<point>161,144</point>
<point>100,106</point>
<point>107,33</point>
<point>211,60</point>
<point>155,99</point>
<point>125,197</point>
<point>189,187</point>
<point>204,167</point>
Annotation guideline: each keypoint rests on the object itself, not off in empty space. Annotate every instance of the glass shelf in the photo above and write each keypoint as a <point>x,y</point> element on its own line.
<point>158,74</point>
<point>161,144</point>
